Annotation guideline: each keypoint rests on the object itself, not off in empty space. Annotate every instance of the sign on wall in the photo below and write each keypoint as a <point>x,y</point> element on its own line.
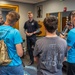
<point>39,11</point>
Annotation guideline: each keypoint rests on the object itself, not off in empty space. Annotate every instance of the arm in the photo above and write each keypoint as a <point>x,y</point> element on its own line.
<point>68,47</point>
<point>28,34</point>
<point>62,36</point>
<point>19,50</point>
<point>70,39</point>
<point>36,59</point>
<point>36,52</point>
<point>25,30</point>
<point>17,41</point>
<point>37,28</point>
<point>65,51</point>
<point>37,31</point>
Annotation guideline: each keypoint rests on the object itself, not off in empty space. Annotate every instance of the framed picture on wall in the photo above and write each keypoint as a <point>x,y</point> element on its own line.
<point>39,11</point>
<point>9,7</point>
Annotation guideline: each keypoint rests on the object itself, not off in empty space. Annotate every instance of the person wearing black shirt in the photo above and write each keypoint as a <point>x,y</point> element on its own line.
<point>31,29</point>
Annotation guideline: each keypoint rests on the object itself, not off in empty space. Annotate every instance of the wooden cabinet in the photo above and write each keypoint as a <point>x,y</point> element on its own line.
<point>42,29</point>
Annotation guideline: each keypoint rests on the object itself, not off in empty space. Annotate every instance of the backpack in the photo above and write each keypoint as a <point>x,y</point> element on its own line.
<point>4,58</point>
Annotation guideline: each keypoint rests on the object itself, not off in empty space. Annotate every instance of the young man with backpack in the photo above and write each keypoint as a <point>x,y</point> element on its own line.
<point>13,40</point>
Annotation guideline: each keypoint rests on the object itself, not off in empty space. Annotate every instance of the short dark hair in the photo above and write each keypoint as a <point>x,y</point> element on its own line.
<point>51,23</point>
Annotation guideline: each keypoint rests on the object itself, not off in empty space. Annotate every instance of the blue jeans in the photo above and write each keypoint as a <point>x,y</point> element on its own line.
<point>11,70</point>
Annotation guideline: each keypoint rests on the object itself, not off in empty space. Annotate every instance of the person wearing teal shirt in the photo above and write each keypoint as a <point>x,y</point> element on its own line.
<point>71,47</point>
<point>13,42</point>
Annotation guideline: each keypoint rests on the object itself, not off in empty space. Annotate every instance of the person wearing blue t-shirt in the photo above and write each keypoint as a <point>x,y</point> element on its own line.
<point>13,41</point>
<point>71,47</point>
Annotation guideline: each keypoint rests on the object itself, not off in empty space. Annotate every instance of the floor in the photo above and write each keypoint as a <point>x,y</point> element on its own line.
<point>30,70</point>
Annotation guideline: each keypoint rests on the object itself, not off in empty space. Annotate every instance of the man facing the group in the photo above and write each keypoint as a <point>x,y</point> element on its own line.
<point>31,29</point>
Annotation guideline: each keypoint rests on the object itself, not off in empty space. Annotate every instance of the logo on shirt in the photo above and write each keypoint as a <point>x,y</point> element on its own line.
<point>32,24</point>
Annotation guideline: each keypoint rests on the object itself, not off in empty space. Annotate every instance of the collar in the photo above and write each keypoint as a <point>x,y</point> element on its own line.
<point>31,21</point>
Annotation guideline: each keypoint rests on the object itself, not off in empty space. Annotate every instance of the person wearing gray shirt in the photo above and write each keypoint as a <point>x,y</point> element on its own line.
<point>50,51</point>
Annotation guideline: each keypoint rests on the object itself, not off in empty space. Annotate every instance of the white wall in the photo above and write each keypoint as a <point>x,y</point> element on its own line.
<point>23,10</point>
<point>51,6</point>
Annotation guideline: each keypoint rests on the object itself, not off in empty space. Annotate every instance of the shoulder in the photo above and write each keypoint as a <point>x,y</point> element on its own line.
<point>41,40</point>
<point>72,30</point>
<point>15,31</point>
<point>63,41</point>
<point>35,21</point>
<point>27,21</point>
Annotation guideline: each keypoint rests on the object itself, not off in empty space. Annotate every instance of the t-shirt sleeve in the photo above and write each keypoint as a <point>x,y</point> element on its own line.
<point>17,37</point>
<point>25,27</point>
<point>70,38</point>
<point>36,25</point>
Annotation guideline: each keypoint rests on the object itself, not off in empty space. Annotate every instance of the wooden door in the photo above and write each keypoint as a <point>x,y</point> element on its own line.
<point>63,22</point>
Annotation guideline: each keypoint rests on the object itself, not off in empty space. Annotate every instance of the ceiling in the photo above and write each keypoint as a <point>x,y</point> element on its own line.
<point>27,1</point>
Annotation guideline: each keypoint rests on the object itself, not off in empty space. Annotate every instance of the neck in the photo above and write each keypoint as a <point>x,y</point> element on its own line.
<point>8,24</point>
<point>30,19</point>
<point>51,34</point>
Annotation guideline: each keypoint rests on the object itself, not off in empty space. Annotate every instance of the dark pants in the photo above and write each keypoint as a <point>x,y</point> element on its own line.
<point>30,46</point>
<point>71,69</point>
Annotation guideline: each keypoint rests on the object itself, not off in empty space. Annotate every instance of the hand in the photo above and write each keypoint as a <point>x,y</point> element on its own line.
<point>29,34</point>
<point>34,32</point>
<point>62,36</point>
<point>65,59</point>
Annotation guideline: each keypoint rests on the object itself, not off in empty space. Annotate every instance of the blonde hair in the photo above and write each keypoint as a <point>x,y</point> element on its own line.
<point>12,17</point>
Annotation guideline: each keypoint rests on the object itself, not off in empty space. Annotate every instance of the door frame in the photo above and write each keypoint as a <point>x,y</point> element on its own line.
<point>15,7</point>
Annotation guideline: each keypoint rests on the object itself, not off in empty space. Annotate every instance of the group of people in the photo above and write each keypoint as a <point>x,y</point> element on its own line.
<point>49,52</point>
